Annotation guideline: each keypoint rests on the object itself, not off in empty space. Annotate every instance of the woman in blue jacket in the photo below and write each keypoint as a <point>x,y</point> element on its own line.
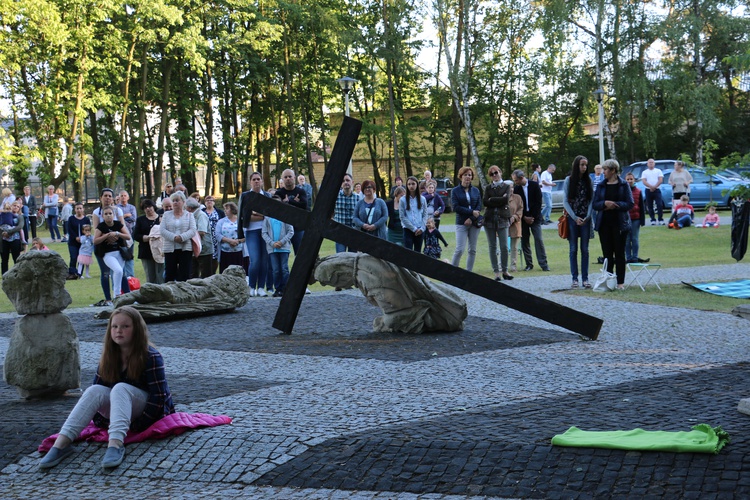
<point>467,203</point>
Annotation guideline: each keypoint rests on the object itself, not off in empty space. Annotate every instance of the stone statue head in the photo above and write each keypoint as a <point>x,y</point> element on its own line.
<point>336,270</point>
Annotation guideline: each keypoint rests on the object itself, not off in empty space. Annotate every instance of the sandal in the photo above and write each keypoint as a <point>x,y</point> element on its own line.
<point>574,285</point>
<point>586,284</point>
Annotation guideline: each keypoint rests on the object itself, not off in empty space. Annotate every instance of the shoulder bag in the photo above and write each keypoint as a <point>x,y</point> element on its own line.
<point>562,225</point>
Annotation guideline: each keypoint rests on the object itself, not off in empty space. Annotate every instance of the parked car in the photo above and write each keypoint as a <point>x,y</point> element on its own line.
<point>558,195</point>
<point>443,189</point>
<point>704,188</point>
<point>638,167</point>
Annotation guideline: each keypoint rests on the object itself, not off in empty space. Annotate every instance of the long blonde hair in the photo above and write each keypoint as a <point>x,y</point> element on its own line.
<point>111,361</point>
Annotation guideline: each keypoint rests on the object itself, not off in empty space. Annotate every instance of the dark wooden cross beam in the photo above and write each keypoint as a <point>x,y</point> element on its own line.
<point>318,225</point>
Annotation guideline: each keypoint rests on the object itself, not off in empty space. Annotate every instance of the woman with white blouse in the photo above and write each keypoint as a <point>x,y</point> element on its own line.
<point>177,229</point>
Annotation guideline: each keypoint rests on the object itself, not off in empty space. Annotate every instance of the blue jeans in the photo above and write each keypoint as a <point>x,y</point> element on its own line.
<point>256,250</point>
<point>280,264</point>
<point>296,240</point>
<point>53,230</point>
<point>631,241</point>
<point>547,210</point>
<point>340,247</point>
<point>73,250</point>
<point>684,221</point>
<point>651,198</point>
<point>412,241</point>
<point>576,232</point>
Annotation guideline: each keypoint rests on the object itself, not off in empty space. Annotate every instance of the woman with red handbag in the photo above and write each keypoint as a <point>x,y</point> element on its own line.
<point>577,203</point>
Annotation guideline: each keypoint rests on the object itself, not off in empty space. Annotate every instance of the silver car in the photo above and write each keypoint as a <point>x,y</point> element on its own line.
<point>558,195</point>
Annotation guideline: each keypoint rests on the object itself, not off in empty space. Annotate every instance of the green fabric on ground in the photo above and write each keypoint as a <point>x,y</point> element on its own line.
<point>702,439</point>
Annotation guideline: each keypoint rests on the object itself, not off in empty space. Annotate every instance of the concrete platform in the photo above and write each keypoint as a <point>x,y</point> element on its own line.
<point>334,411</point>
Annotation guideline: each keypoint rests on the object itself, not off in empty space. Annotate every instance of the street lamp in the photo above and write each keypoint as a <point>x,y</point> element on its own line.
<point>346,83</point>
<point>599,93</point>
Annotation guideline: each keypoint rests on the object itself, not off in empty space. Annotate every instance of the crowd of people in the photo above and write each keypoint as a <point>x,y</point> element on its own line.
<point>181,236</point>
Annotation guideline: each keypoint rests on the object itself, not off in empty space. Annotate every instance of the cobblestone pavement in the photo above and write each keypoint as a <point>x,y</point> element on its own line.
<point>335,412</point>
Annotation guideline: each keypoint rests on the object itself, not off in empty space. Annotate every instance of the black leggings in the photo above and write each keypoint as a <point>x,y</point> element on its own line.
<point>10,248</point>
<point>613,249</point>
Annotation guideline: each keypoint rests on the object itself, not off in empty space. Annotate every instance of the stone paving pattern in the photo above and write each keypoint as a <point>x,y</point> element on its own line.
<point>335,412</point>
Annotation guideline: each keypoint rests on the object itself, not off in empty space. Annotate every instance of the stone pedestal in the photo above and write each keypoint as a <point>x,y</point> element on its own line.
<point>43,355</point>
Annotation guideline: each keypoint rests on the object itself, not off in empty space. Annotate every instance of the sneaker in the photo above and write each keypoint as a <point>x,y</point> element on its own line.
<point>64,240</point>
<point>529,267</point>
<point>574,285</point>
<point>54,456</point>
<point>277,293</point>
<point>586,284</point>
<point>307,291</point>
<point>252,292</point>
<point>653,222</point>
<point>113,457</point>
<point>513,269</point>
<point>108,303</point>
<point>101,303</point>
<point>261,293</point>
<point>661,223</point>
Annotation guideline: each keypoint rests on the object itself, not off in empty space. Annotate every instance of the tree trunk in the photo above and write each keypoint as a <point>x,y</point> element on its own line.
<point>166,81</point>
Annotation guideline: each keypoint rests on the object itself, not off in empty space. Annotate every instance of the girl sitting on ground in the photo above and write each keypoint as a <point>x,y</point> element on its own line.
<point>38,244</point>
<point>712,218</point>
<point>130,390</point>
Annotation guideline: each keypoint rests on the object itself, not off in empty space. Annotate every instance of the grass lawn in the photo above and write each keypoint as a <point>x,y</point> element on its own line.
<point>684,248</point>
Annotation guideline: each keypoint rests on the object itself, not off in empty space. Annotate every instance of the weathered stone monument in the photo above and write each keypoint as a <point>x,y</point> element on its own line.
<point>43,357</point>
<point>216,294</point>
<point>410,302</point>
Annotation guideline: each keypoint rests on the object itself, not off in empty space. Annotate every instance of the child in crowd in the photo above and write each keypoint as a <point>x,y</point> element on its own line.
<point>278,238</point>
<point>65,212</point>
<point>6,215</point>
<point>38,244</point>
<point>130,391</point>
<point>432,239</point>
<point>682,214</point>
<point>712,218</point>
<point>85,252</point>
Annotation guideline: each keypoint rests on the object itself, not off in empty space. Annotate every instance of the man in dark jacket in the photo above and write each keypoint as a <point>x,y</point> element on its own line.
<point>531,194</point>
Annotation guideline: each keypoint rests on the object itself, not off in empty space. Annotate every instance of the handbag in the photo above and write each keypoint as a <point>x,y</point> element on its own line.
<point>562,226</point>
<point>134,283</point>
<point>126,252</point>
<point>196,242</point>
<point>478,222</point>
<point>606,281</point>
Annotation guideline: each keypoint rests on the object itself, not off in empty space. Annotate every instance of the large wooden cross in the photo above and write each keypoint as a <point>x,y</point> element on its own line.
<point>318,225</point>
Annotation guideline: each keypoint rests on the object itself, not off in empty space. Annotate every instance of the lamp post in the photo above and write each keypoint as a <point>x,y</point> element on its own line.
<point>346,83</point>
<point>599,93</point>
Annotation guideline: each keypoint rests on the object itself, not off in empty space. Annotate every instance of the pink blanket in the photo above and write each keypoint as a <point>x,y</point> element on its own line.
<point>171,425</point>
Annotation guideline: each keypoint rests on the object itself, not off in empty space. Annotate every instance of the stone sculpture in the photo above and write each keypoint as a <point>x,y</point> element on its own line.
<point>410,302</point>
<point>43,354</point>
<point>213,295</point>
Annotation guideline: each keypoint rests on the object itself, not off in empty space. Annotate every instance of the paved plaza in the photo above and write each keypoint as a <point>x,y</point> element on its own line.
<point>334,411</point>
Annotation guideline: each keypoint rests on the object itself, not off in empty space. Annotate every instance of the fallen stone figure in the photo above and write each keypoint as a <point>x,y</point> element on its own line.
<point>216,294</point>
<point>409,301</point>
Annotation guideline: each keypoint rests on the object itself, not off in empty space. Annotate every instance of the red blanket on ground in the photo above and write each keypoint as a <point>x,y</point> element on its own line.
<point>171,425</point>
